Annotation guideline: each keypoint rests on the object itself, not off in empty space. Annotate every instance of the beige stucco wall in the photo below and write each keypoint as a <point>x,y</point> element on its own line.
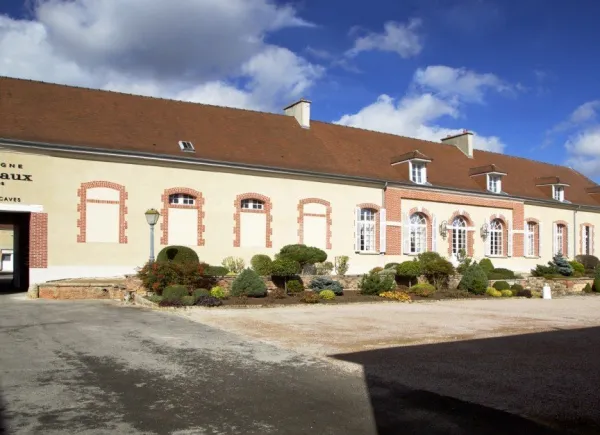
<point>56,181</point>
<point>6,238</point>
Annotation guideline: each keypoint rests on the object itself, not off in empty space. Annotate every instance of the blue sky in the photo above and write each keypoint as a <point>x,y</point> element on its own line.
<point>521,74</point>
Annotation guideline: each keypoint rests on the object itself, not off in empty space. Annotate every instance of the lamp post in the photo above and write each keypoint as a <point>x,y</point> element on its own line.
<point>152,217</point>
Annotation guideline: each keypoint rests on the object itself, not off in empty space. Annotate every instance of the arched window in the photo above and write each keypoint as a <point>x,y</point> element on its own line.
<point>418,233</point>
<point>531,239</point>
<point>459,235</point>
<point>496,237</point>
<point>182,199</point>
<point>252,204</point>
<point>367,229</point>
<point>560,239</point>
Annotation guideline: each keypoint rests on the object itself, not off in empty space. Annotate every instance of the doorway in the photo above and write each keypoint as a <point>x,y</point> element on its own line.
<point>14,251</point>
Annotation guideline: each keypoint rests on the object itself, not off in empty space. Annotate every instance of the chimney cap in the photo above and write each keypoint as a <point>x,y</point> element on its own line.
<point>301,100</point>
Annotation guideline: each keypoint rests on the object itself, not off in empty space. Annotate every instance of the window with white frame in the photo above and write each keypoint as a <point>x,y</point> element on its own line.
<point>253,204</point>
<point>418,172</point>
<point>495,235</point>
<point>494,183</point>
<point>559,240</point>
<point>587,240</point>
<point>559,193</point>
<point>418,233</point>
<point>181,199</point>
<point>530,237</point>
<point>367,230</point>
<point>459,235</point>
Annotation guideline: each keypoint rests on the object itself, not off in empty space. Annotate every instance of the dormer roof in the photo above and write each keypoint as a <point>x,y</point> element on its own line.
<point>486,170</point>
<point>411,155</point>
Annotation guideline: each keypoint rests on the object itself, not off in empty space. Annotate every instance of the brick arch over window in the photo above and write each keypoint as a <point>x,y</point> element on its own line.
<point>581,237</point>
<point>536,236</point>
<point>370,205</point>
<point>429,220</point>
<point>198,205</point>
<point>565,241</point>
<point>470,232</point>
<point>327,217</point>
<point>83,201</point>
<point>503,221</point>
<point>267,210</point>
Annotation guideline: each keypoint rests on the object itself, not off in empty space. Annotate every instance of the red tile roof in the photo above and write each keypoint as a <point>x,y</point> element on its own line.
<point>36,111</point>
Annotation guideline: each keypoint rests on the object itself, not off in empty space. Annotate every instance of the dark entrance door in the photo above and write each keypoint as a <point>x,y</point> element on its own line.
<point>20,276</point>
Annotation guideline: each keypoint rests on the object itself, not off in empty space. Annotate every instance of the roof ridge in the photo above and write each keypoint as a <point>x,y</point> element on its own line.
<point>149,97</point>
<point>512,156</point>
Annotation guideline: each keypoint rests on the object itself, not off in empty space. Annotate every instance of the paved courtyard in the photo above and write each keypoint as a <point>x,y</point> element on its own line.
<point>98,367</point>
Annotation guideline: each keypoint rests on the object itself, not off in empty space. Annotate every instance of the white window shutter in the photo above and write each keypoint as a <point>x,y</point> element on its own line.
<point>357,230</point>
<point>434,233</point>
<point>554,239</point>
<point>382,230</point>
<point>405,234</point>
<point>510,238</point>
<point>570,243</point>
<point>488,240</point>
<point>540,238</point>
<point>525,238</point>
<point>592,250</point>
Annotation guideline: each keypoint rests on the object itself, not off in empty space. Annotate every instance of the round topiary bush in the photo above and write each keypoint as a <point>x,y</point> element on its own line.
<point>248,283</point>
<point>178,254</point>
<point>391,265</point>
<point>491,291</point>
<point>577,267</point>
<point>218,292</point>
<point>486,265</point>
<point>523,293</point>
<point>295,286</point>
<point>506,293</point>
<point>474,280</point>
<point>501,285</point>
<point>201,292</point>
<point>516,288</point>
<point>174,293</point>
<point>261,264</point>
<point>327,295</point>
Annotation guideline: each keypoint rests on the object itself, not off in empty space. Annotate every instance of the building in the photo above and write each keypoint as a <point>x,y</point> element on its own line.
<point>80,167</point>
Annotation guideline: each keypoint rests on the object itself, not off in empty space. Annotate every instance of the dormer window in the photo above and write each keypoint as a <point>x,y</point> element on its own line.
<point>186,146</point>
<point>558,193</point>
<point>418,172</point>
<point>494,183</point>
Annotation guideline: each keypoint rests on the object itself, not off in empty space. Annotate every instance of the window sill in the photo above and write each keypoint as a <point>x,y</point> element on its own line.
<point>497,256</point>
<point>368,253</point>
<point>532,256</point>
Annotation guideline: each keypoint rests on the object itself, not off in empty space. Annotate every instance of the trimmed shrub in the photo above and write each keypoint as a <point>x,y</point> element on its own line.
<point>178,254</point>
<point>309,298</point>
<point>376,269</point>
<point>409,270</point>
<point>474,280</point>
<point>562,265</point>
<point>516,287</point>
<point>325,283</point>
<point>501,285</point>
<point>536,294</point>
<point>261,264</point>
<point>436,269</point>
<point>341,265</point>
<point>283,269</point>
<point>491,291</point>
<point>324,268</point>
<point>523,293</point>
<point>327,295</point>
<point>374,283</point>
<point>209,301</point>
<point>577,267</point>
<point>188,301</point>
<point>590,262</point>
<point>391,266</point>
<point>304,255</point>
<point>201,292</point>
<point>216,271</point>
<point>423,289</point>
<point>596,285</point>
<point>587,288</point>
<point>234,264</point>
<point>541,270</point>
<point>156,276</point>
<point>248,283</point>
<point>501,273</point>
<point>218,292</point>
<point>486,265</point>
<point>506,293</point>
<point>295,286</point>
<point>396,295</point>
<point>174,293</point>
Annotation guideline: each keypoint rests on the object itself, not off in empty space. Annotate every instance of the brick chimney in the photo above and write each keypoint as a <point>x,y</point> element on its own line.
<point>301,111</point>
<point>463,141</point>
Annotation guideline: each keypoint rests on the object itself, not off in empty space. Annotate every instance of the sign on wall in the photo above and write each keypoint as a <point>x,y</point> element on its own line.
<point>12,173</point>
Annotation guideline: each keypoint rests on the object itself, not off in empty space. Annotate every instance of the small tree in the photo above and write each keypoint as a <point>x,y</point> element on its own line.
<point>474,280</point>
<point>487,265</point>
<point>261,264</point>
<point>409,270</point>
<point>285,268</point>
<point>436,269</point>
<point>305,255</point>
<point>341,265</point>
<point>234,264</point>
<point>248,283</point>
<point>464,261</point>
<point>374,283</point>
<point>324,268</point>
<point>562,265</point>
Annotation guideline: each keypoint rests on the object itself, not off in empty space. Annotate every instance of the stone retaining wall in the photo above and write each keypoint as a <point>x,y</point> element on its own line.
<point>78,290</point>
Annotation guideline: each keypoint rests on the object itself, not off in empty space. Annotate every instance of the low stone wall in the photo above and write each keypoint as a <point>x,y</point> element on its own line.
<point>78,290</point>
<point>557,286</point>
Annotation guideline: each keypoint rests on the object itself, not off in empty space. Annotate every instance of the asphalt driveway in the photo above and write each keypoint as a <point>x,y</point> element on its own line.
<point>92,367</point>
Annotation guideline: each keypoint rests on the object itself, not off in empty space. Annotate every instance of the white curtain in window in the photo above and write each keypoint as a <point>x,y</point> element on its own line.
<point>366,230</point>
<point>459,234</point>
<point>418,234</point>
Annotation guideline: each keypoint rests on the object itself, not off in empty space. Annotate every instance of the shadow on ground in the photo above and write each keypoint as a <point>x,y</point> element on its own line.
<point>541,383</point>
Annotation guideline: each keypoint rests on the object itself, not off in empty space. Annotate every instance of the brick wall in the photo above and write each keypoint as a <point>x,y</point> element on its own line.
<point>267,210</point>
<point>38,241</point>
<point>82,209</point>
<point>327,217</point>
<point>198,205</point>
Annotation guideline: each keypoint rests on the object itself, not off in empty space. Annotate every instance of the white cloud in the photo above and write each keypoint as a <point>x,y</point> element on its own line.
<point>419,114</point>
<point>192,49</point>
<point>467,84</point>
<point>399,38</point>
<point>583,146</point>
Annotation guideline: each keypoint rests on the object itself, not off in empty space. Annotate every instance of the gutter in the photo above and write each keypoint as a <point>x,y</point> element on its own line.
<point>266,169</point>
